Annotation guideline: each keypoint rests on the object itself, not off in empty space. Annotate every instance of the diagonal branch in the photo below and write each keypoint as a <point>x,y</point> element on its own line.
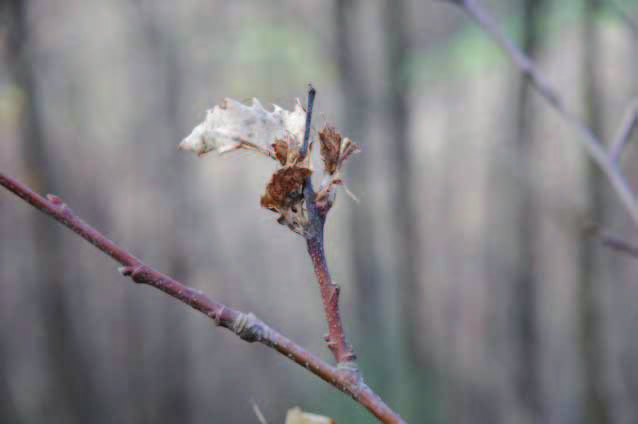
<point>247,326</point>
<point>613,241</point>
<point>629,124</point>
<point>592,144</point>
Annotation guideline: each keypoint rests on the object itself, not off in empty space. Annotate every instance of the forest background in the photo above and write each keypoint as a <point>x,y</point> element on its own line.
<point>471,290</point>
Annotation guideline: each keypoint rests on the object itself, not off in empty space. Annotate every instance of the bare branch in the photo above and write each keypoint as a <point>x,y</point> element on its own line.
<point>613,241</point>
<point>629,123</point>
<point>336,337</point>
<point>306,138</point>
<point>246,326</point>
<point>592,144</point>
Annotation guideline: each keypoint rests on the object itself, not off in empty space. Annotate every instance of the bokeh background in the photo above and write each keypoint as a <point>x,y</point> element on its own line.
<point>471,291</point>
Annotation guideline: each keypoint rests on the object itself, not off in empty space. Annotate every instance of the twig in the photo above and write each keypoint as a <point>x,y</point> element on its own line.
<point>629,123</point>
<point>336,337</point>
<point>613,241</point>
<point>246,326</point>
<point>257,411</point>
<point>527,67</point>
<point>306,137</point>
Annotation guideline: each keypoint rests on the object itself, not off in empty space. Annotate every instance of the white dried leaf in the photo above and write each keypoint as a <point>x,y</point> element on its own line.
<point>234,126</point>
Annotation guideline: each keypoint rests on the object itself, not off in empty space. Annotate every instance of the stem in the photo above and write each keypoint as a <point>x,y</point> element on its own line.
<point>248,327</point>
<point>336,337</point>
<point>306,137</point>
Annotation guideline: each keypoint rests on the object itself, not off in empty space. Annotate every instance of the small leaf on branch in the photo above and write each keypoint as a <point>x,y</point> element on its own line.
<point>334,149</point>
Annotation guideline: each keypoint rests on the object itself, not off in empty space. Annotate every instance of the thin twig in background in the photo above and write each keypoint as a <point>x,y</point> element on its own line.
<point>248,327</point>
<point>257,411</point>
<point>629,124</point>
<point>613,241</point>
<point>592,144</point>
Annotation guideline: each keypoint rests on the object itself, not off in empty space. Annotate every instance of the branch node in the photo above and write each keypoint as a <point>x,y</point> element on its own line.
<point>245,327</point>
<point>133,272</point>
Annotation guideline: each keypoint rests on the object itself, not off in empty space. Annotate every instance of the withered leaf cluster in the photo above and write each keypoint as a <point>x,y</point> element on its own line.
<point>279,136</point>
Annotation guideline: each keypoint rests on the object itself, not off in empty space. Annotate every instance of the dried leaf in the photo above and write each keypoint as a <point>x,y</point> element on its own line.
<point>281,150</point>
<point>234,126</point>
<point>330,141</point>
<point>348,148</point>
<point>335,150</point>
<point>285,189</point>
<point>285,195</point>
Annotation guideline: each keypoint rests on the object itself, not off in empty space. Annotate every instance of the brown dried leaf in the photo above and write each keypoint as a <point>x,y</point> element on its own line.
<point>281,150</point>
<point>285,188</point>
<point>330,140</point>
<point>348,148</point>
<point>335,150</point>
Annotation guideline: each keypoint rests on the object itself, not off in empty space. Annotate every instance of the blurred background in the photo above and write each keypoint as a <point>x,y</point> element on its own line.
<point>469,288</point>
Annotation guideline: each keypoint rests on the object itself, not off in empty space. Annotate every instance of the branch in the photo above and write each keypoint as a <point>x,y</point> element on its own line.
<point>613,241</point>
<point>592,144</point>
<point>247,326</point>
<point>629,124</point>
<point>306,137</point>
<point>336,338</point>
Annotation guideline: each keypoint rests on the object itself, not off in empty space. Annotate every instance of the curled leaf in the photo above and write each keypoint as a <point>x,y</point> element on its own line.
<point>285,189</point>
<point>330,141</point>
<point>233,126</point>
<point>285,195</point>
<point>335,150</point>
<point>281,150</point>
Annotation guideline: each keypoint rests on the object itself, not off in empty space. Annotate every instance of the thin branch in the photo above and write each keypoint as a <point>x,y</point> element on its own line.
<point>248,327</point>
<point>336,338</point>
<point>629,124</point>
<point>613,241</point>
<point>306,137</point>
<point>330,291</point>
<point>527,67</point>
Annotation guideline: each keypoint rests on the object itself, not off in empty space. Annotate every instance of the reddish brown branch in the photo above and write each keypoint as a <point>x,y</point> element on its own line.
<point>246,326</point>
<point>336,337</point>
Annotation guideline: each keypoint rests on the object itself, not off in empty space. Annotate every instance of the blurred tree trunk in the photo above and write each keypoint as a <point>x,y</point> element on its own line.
<point>596,397</point>
<point>72,392</point>
<point>414,334</point>
<point>366,269</point>
<point>173,403</point>
<point>525,291</point>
